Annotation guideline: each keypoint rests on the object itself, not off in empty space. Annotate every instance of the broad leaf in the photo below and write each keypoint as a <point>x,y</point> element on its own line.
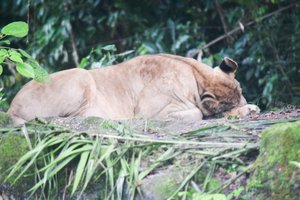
<point>25,70</point>
<point>1,69</point>
<point>83,62</point>
<point>17,29</point>
<point>24,53</point>
<point>41,75</point>
<point>15,56</point>
<point>3,52</point>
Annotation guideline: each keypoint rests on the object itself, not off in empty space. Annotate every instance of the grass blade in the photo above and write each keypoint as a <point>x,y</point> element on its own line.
<point>80,170</point>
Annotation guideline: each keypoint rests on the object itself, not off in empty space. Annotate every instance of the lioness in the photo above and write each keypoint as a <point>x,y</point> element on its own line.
<point>151,86</point>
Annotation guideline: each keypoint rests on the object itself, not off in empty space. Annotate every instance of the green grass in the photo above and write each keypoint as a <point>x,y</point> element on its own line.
<point>117,154</point>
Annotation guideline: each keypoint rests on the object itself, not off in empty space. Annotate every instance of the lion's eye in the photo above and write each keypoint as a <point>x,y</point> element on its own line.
<point>207,95</point>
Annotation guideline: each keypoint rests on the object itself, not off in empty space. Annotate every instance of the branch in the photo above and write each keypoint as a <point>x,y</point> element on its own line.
<point>73,43</point>
<point>223,21</point>
<point>235,30</point>
<point>75,51</point>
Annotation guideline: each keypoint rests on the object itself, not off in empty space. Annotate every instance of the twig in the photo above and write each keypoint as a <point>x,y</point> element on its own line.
<point>73,43</point>
<point>75,51</point>
<point>223,21</point>
<point>231,154</point>
<point>235,30</point>
<point>200,54</point>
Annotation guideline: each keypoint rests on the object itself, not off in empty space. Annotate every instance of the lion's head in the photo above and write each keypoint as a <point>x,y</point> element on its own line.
<point>222,91</point>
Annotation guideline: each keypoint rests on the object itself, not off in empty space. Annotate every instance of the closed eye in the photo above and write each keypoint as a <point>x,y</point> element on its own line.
<point>207,95</point>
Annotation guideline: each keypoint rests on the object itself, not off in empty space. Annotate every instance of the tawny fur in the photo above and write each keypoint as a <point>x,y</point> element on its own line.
<point>152,86</point>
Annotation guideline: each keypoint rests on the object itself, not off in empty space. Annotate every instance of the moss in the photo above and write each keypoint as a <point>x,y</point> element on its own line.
<point>4,119</point>
<point>275,177</point>
<point>167,187</point>
<point>213,184</point>
<point>163,184</point>
<point>12,147</point>
<point>204,196</point>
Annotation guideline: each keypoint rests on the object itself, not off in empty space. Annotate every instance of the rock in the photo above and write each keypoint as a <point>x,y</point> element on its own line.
<point>275,176</point>
<point>161,185</point>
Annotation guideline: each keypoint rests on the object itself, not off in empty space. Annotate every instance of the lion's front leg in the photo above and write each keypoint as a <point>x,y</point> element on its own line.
<point>191,115</point>
<point>243,110</point>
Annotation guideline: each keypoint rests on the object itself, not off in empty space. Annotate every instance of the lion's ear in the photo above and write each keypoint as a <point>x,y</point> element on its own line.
<point>228,65</point>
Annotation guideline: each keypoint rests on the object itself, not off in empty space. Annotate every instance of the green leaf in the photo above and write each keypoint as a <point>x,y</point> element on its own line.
<point>13,52</point>
<point>50,173</point>
<point>25,70</point>
<point>3,52</point>
<point>17,29</point>
<point>80,170</point>
<point>2,59</point>
<point>1,69</point>
<point>16,59</point>
<point>15,56</point>
<point>297,164</point>
<point>6,42</point>
<point>41,75</point>
<point>83,62</point>
<point>111,47</point>
<point>182,39</point>
<point>24,53</point>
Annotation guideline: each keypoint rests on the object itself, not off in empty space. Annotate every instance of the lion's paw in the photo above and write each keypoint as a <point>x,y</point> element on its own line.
<point>244,110</point>
<point>252,109</point>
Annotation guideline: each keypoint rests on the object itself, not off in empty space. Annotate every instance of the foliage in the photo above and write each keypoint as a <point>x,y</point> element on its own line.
<point>2,98</point>
<point>104,56</point>
<point>267,54</point>
<point>29,69</point>
<point>24,64</point>
<point>100,156</point>
<point>119,154</point>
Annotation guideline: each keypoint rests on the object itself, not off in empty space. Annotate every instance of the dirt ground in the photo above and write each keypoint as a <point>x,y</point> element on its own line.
<point>288,113</point>
<point>272,117</point>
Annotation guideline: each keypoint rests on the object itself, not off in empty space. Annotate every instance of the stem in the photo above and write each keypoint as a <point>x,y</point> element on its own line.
<point>73,40</point>
<point>198,144</point>
<point>74,47</point>
<point>2,36</point>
